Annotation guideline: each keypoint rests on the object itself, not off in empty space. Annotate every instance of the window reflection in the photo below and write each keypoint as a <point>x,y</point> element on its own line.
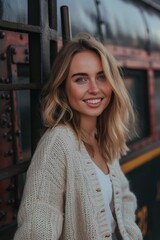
<point>136,83</point>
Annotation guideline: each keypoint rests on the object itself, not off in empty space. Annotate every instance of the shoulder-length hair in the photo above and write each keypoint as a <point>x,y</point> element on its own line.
<point>113,124</point>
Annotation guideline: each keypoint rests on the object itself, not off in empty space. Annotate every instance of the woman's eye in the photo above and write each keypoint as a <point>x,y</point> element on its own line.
<point>101,77</point>
<point>80,80</point>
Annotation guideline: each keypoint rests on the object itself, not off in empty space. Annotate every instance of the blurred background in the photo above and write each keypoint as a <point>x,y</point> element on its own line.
<point>31,33</point>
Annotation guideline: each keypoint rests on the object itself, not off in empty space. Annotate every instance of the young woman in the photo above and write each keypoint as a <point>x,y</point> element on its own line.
<point>75,189</point>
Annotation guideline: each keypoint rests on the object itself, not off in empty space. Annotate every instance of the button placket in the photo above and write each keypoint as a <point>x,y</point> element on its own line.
<point>97,197</point>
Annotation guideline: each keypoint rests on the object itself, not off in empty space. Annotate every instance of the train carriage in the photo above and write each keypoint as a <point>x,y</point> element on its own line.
<point>31,32</point>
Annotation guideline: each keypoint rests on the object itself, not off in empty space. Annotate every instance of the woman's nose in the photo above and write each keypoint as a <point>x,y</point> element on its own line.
<point>93,87</point>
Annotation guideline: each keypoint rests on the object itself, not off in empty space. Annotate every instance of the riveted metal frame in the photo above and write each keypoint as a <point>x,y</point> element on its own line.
<point>42,42</point>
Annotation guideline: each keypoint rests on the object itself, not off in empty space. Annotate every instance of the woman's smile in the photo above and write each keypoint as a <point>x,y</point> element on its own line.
<point>93,102</point>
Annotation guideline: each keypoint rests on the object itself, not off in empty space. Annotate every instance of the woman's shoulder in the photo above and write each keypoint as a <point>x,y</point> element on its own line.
<point>56,143</point>
<point>59,135</point>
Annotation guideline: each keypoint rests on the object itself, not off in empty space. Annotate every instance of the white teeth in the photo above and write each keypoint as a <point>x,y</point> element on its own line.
<point>93,101</point>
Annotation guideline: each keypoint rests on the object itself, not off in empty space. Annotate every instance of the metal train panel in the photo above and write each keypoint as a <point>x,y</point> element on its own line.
<point>28,46</point>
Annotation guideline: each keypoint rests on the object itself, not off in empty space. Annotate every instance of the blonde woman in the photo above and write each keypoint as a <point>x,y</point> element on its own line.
<point>75,189</point>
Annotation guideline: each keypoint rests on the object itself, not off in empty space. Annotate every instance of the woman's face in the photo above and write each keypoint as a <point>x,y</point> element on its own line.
<point>87,88</point>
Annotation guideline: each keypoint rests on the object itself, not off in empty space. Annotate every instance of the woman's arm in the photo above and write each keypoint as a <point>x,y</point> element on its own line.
<point>40,215</point>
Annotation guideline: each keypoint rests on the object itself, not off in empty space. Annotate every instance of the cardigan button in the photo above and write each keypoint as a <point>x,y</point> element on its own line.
<point>107,235</point>
<point>98,190</point>
<point>102,210</point>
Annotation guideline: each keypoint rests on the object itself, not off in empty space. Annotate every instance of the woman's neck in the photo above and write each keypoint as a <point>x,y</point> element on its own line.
<point>88,128</point>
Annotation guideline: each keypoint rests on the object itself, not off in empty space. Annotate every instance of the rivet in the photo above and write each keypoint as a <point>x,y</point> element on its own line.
<point>27,58</point>
<point>10,124</point>
<point>18,133</point>
<point>2,34</point>
<point>7,80</point>
<point>26,51</point>
<point>21,36</point>
<point>2,80</point>
<point>2,215</point>
<point>8,109</point>
<point>10,138</point>
<point>13,50</point>
<point>3,56</point>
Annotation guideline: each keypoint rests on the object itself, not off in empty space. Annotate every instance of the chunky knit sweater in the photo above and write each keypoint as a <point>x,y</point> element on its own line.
<point>62,197</point>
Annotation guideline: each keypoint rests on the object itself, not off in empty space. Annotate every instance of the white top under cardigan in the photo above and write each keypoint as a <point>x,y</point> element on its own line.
<point>62,198</point>
<point>106,186</point>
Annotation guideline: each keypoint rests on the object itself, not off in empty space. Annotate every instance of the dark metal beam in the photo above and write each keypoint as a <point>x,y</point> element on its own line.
<point>19,27</point>
<point>14,170</point>
<point>27,86</point>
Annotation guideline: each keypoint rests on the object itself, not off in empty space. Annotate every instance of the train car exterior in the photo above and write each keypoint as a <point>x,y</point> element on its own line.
<point>30,35</point>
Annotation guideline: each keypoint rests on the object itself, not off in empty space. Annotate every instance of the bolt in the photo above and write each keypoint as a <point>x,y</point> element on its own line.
<point>2,34</point>
<point>18,133</point>
<point>26,51</point>
<point>2,215</point>
<point>11,187</point>
<point>2,96</point>
<point>2,80</point>
<point>13,50</point>
<point>7,80</point>
<point>21,36</point>
<point>10,138</point>
<point>3,56</point>
<point>27,59</point>
<point>9,109</point>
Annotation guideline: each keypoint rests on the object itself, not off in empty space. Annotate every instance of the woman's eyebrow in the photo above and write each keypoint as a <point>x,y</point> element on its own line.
<point>85,74</point>
<point>79,74</point>
<point>101,72</point>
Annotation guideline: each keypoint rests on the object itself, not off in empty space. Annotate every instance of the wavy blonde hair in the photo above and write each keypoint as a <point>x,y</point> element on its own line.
<point>113,124</point>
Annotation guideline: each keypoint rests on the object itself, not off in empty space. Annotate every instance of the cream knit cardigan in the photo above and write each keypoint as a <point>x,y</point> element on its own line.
<point>62,197</point>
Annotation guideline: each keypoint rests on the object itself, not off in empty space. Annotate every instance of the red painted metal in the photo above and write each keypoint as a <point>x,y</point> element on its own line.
<point>13,50</point>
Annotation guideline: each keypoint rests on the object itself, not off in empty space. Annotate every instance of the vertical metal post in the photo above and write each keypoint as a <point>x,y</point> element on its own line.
<point>65,22</point>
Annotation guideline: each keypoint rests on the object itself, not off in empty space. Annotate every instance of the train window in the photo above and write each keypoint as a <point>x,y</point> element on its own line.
<point>157,99</point>
<point>23,110</point>
<point>23,105</point>
<point>18,8</point>
<point>136,83</point>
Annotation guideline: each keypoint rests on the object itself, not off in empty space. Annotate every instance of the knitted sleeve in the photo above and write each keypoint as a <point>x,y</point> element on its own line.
<point>129,205</point>
<point>40,215</point>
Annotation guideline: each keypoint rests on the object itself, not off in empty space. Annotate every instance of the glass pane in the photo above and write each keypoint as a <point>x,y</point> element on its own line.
<point>136,83</point>
<point>23,100</point>
<point>14,11</point>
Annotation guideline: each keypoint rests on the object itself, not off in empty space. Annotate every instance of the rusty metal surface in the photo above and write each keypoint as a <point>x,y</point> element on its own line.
<point>18,49</point>
<point>13,46</point>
